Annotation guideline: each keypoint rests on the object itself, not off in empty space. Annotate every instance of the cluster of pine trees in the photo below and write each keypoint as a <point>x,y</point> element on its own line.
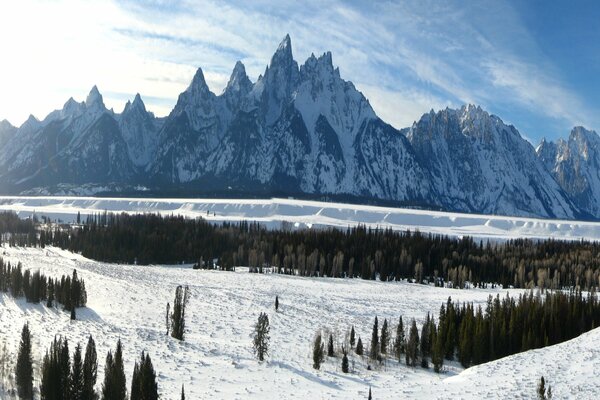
<point>69,291</point>
<point>66,378</point>
<point>355,252</point>
<point>63,379</point>
<point>508,326</point>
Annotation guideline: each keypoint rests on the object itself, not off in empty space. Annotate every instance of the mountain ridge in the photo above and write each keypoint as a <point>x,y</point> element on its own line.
<point>297,130</point>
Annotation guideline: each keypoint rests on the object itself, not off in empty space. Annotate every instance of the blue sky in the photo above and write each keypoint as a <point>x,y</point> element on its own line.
<point>535,64</point>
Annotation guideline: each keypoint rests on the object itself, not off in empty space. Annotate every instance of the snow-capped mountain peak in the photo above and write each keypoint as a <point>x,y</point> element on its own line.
<point>94,99</point>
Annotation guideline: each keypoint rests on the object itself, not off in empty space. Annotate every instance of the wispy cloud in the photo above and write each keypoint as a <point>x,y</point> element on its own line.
<point>407,57</point>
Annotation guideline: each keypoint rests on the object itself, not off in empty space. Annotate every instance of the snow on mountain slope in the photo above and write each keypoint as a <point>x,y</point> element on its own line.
<point>575,164</point>
<point>479,164</point>
<point>216,360</point>
<point>303,214</point>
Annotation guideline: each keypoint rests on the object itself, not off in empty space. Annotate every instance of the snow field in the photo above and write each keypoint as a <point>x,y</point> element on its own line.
<point>303,213</point>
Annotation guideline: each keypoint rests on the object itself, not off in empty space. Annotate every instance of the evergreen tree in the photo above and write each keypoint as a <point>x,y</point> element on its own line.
<point>330,352</point>
<point>261,337</point>
<point>400,341</point>
<point>115,385</point>
<point>370,396</point>
<point>136,389</point>
<point>178,316</point>
<point>318,352</point>
<point>149,387</point>
<point>276,303</point>
<point>541,389</point>
<point>374,353</point>
<point>73,314</point>
<point>76,381</point>
<point>90,371</point>
<point>359,347</point>
<point>412,347</point>
<point>53,379</point>
<point>385,337</point>
<point>352,337</point>
<point>425,347</point>
<point>50,294</point>
<point>24,367</point>
<point>168,318</point>
<point>64,366</point>
<point>345,368</point>
<point>437,354</point>
<point>182,392</point>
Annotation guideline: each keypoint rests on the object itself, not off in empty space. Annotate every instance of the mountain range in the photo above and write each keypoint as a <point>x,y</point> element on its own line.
<point>300,130</point>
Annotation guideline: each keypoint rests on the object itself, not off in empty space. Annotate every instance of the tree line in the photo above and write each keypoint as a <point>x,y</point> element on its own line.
<point>68,291</point>
<point>357,252</point>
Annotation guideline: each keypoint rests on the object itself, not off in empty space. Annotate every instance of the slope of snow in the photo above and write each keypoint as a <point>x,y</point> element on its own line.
<point>216,360</point>
<point>273,212</point>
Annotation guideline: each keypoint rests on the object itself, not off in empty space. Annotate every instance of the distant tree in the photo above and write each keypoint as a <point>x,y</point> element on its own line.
<point>345,368</point>
<point>437,353</point>
<point>318,352</point>
<point>90,371</point>
<point>359,347</point>
<point>352,337</point>
<point>276,303</point>
<point>77,382</point>
<point>425,348</point>
<point>261,337</point>
<point>374,341</point>
<point>168,318</point>
<point>541,389</point>
<point>385,337</point>
<point>182,392</point>
<point>73,314</point>
<point>412,347</point>
<point>400,341</point>
<point>24,367</point>
<point>50,294</point>
<point>178,316</point>
<point>330,351</point>
<point>115,385</point>
<point>370,396</point>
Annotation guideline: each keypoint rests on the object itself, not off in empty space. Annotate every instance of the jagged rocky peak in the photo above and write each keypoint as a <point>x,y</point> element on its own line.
<point>94,98</point>
<point>238,81</point>
<point>198,84</point>
<point>5,125</point>
<point>137,105</point>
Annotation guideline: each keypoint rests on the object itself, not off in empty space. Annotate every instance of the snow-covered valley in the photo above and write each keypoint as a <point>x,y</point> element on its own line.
<point>302,213</point>
<point>216,360</point>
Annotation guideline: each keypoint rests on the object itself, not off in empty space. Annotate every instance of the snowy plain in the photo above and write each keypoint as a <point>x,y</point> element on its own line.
<point>216,360</point>
<point>302,213</point>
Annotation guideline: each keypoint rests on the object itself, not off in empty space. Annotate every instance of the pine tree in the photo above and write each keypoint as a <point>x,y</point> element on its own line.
<point>182,392</point>
<point>400,342</point>
<point>24,367</point>
<point>115,384</point>
<point>425,347</point>
<point>276,303</point>
<point>261,337</point>
<point>149,387</point>
<point>370,396</point>
<point>318,352</point>
<point>412,347</point>
<point>330,352</point>
<point>76,381</point>
<point>437,354</point>
<point>374,341</point>
<point>136,388</point>
<point>385,337</point>
<point>50,294</point>
<point>345,368</point>
<point>73,314</point>
<point>359,347</point>
<point>90,370</point>
<point>64,366</point>
<point>178,316</point>
<point>352,337</point>
<point>168,318</point>
<point>541,389</point>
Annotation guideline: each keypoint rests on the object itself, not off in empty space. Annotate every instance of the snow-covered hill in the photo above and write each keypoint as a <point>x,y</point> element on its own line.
<point>301,213</point>
<point>216,361</point>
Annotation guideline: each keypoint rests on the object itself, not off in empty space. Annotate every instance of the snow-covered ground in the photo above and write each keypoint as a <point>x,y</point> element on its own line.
<point>216,360</point>
<point>311,213</point>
